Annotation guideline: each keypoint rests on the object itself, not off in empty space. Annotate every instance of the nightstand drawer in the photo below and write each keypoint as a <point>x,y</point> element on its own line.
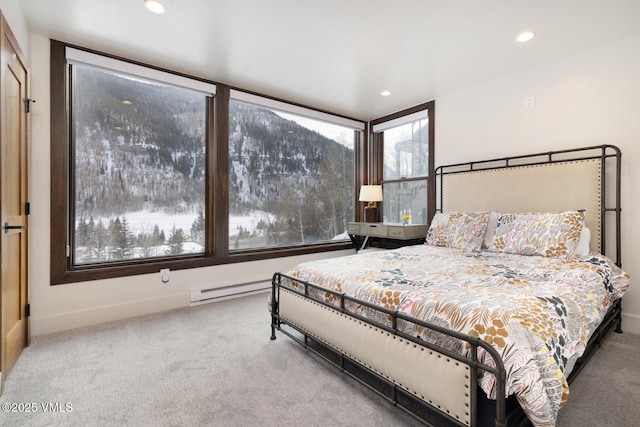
<point>396,232</point>
<point>373,230</point>
<point>407,232</point>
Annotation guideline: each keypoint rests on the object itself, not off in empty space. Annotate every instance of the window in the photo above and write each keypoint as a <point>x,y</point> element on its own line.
<point>138,167</point>
<point>407,152</point>
<point>152,169</point>
<point>291,177</point>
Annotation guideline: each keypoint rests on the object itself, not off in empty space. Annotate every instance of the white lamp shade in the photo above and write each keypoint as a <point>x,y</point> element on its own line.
<point>371,193</point>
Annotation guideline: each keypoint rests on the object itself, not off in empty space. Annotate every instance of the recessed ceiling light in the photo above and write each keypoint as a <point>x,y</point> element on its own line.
<point>385,93</point>
<point>126,102</point>
<point>525,36</point>
<point>154,6</point>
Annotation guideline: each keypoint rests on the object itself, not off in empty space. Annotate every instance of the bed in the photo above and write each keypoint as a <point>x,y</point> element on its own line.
<point>490,319</point>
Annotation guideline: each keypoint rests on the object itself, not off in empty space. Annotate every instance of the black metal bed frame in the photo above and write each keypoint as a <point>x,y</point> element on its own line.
<point>343,361</point>
<point>502,412</point>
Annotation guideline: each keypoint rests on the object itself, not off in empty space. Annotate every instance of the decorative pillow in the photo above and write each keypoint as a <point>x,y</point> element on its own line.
<point>463,230</point>
<point>553,235</point>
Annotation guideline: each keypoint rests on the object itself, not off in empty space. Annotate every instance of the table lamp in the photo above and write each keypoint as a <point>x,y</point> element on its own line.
<point>371,194</point>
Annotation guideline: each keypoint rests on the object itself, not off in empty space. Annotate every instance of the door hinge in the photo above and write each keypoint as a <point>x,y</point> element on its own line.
<point>27,310</point>
<point>27,208</point>
<point>27,104</point>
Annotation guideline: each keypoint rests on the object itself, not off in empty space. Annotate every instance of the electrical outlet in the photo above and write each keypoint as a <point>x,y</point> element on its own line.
<point>529,101</point>
<point>164,275</point>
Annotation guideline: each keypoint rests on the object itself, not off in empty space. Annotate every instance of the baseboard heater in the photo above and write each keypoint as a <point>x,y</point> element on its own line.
<point>203,296</point>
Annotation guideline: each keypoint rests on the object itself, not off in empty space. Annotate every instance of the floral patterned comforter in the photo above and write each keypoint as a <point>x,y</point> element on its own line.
<point>537,312</point>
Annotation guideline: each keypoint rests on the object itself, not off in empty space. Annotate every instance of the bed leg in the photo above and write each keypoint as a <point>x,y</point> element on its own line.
<point>275,281</point>
<point>274,323</point>
<point>619,323</point>
<point>619,317</point>
<point>619,326</point>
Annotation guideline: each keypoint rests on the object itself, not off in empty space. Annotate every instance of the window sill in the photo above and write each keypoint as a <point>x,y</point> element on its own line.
<point>132,268</point>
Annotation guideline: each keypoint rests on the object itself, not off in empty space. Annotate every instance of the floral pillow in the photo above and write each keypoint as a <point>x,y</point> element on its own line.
<point>463,230</point>
<point>553,235</point>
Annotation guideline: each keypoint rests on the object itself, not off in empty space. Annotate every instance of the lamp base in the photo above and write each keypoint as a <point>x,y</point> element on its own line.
<point>371,214</point>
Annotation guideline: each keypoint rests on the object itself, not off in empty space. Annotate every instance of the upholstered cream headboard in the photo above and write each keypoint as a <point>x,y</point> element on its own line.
<point>549,187</point>
<point>555,181</point>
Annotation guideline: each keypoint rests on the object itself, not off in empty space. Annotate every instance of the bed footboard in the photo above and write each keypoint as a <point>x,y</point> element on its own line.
<point>443,380</point>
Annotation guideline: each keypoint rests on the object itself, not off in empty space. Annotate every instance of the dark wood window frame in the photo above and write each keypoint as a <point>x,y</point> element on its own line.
<point>377,155</point>
<point>217,193</point>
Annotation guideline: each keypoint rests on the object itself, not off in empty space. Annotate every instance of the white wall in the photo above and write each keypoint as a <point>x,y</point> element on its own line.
<point>12,11</point>
<point>61,307</point>
<point>586,99</point>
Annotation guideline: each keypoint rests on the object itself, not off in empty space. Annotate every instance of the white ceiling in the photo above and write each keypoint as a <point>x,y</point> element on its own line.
<point>338,55</point>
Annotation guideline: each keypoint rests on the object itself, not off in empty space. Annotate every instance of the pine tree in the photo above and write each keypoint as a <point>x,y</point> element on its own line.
<point>158,236</point>
<point>197,229</point>
<point>82,232</point>
<point>120,238</point>
<point>176,239</point>
<point>125,242</point>
<point>99,240</point>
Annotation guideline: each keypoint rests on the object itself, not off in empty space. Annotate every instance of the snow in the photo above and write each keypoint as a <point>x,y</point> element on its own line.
<point>144,221</point>
<point>248,222</point>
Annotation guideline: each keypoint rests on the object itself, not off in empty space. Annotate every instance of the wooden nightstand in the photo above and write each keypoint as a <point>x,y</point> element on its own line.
<point>392,235</point>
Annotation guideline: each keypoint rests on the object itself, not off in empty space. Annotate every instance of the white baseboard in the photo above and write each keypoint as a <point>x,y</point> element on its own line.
<point>61,322</point>
<point>631,323</point>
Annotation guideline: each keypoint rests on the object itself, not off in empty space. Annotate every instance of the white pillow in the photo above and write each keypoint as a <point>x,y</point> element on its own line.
<point>583,244</point>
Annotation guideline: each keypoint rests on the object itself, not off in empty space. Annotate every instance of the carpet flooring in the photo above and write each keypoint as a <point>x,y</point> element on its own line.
<point>214,365</point>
